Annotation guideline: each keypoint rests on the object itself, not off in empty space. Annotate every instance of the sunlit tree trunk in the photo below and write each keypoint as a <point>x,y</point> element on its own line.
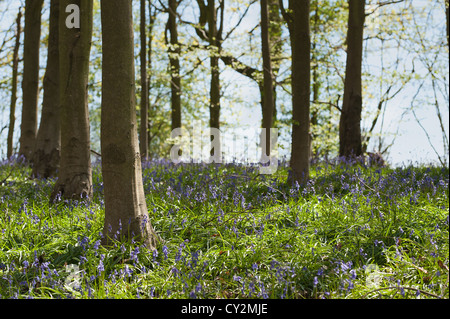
<point>30,84</point>
<point>447,14</point>
<point>48,142</point>
<point>298,23</point>
<point>126,213</point>
<point>143,136</point>
<point>174,52</point>
<point>214,92</point>
<point>350,143</point>
<point>75,173</point>
<point>268,97</point>
<point>12,116</point>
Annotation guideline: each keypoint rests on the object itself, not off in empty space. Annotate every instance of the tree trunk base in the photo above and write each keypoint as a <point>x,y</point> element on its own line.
<point>78,187</point>
<point>45,165</point>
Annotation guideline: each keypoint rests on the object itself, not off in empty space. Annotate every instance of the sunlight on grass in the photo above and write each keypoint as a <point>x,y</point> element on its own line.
<point>351,232</point>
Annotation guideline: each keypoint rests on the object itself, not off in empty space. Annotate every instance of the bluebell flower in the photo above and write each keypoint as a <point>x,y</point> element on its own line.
<point>165,251</point>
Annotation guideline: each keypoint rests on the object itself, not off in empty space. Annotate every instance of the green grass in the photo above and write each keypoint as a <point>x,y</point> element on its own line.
<point>231,233</point>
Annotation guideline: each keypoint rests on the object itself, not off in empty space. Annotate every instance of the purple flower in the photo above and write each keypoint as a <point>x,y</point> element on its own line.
<point>134,254</point>
<point>165,251</point>
<point>315,281</point>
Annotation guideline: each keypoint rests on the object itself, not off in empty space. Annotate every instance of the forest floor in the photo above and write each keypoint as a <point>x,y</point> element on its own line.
<point>352,232</point>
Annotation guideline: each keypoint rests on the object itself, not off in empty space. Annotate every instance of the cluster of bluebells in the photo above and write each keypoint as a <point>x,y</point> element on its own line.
<point>232,212</point>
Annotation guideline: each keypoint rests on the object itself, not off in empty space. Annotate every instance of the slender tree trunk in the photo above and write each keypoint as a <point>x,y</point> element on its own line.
<point>125,207</point>
<point>30,84</point>
<point>315,77</point>
<point>75,173</point>
<point>174,53</point>
<point>214,92</point>
<point>276,48</point>
<point>143,136</point>
<point>48,142</point>
<point>12,116</point>
<point>152,17</point>
<point>300,43</point>
<point>267,119</point>
<point>350,143</point>
<point>447,14</point>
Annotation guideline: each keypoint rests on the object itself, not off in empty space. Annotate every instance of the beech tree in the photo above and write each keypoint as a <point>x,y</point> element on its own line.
<point>126,213</point>
<point>350,142</point>
<point>268,97</point>
<point>30,83</point>
<point>12,110</point>
<point>212,35</point>
<point>174,53</point>
<point>143,137</point>
<point>75,172</point>
<point>298,23</point>
<point>48,141</point>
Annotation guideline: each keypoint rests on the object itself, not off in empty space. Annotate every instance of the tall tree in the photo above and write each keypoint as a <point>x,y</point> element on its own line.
<point>275,45</point>
<point>447,15</point>
<point>298,23</point>
<point>213,35</point>
<point>143,136</point>
<point>75,172</point>
<point>276,48</point>
<point>48,141</point>
<point>350,142</point>
<point>268,97</point>
<point>174,53</point>
<point>30,84</point>
<point>125,207</point>
<point>12,116</point>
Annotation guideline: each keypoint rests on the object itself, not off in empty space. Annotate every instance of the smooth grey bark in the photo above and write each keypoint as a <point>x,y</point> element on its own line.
<point>126,213</point>
<point>75,172</point>
<point>30,83</point>
<point>350,142</point>
<point>46,154</point>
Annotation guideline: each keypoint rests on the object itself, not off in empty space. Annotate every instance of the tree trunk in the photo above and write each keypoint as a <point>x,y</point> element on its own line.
<point>350,143</point>
<point>125,207</point>
<point>152,17</point>
<point>75,173</point>
<point>30,84</point>
<point>300,43</point>
<point>48,142</point>
<point>143,136</point>
<point>12,116</point>
<point>447,14</point>
<point>276,48</point>
<point>268,105</point>
<point>214,92</point>
<point>174,53</point>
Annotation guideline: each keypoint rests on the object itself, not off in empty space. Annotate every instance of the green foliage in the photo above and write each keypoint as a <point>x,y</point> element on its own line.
<point>351,232</point>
